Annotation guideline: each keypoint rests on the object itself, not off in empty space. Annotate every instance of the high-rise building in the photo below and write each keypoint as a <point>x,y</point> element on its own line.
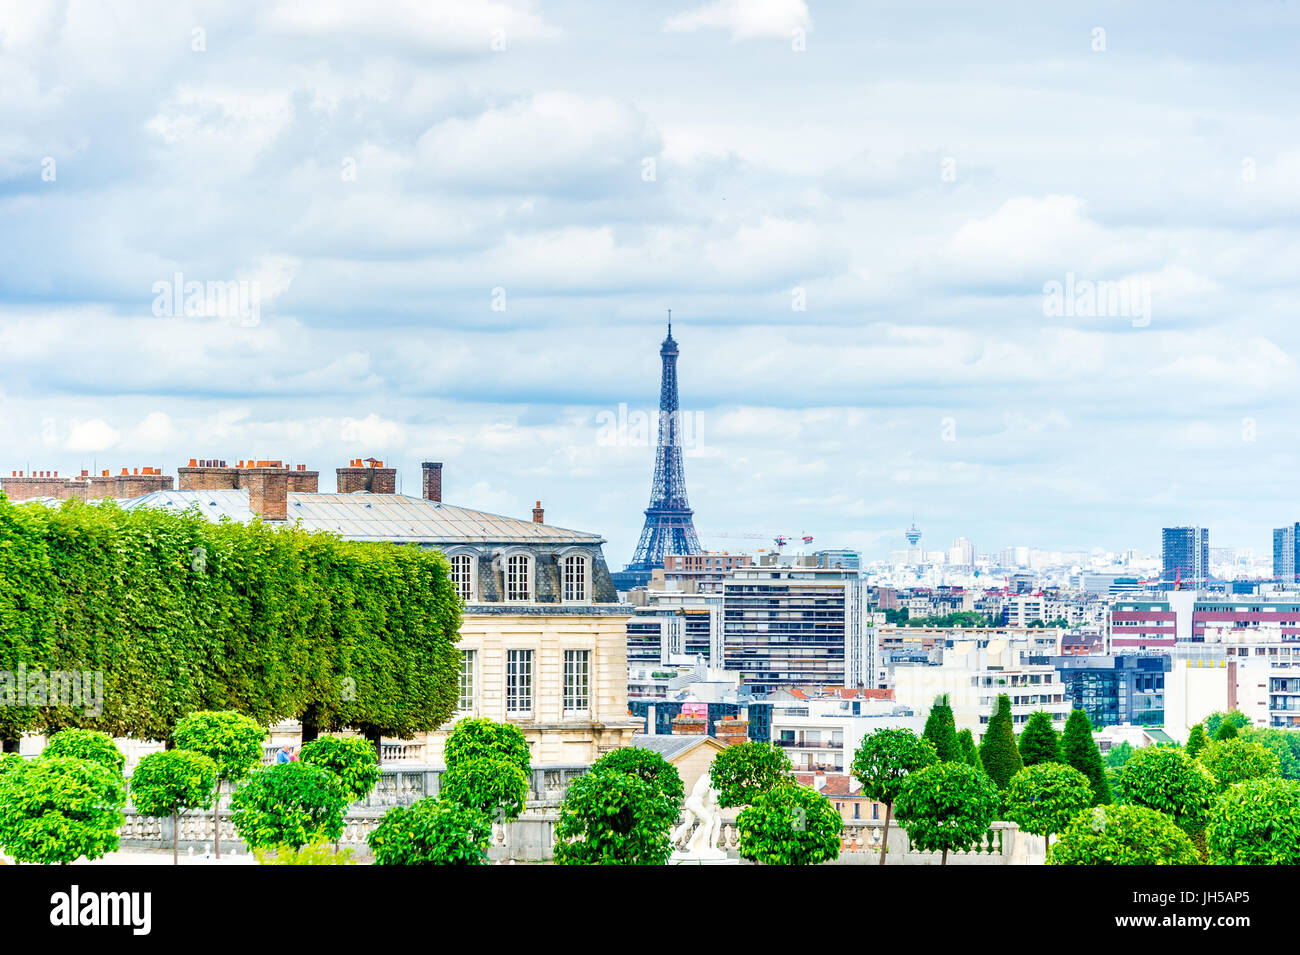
<point>1185,555</point>
<point>1286,550</point>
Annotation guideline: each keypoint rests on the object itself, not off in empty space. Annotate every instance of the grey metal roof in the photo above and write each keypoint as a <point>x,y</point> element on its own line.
<point>374,517</point>
<point>669,745</point>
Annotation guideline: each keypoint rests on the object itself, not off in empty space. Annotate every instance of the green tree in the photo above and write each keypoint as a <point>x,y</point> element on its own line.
<point>1039,742</point>
<point>1239,759</point>
<point>1215,721</point>
<point>650,766</point>
<point>316,852</point>
<point>1164,779</point>
<point>743,771</point>
<point>998,750</point>
<point>1119,755</point>
<point>947,807</point>
<point>790,825</point>
<point>232,741</point>
<point>87,744</point>
<point>57,809</point>
<point>1284,744</point>
<point>969,751</point>
<point>350,758</point>
<point>941,731</point>
<point>475,738</point>
<point>431,832</point>
<point>614,818</point>
<point>166,783</point>
<point>288,804</point>
<point>1123,835</point>
<point>883,761</point>
<point>1079,749</point>
<point>1196,741</point>
<point>1042,799</point>
<point>493,786</point>
<point>1227,730</point>
<point>1256,822</point>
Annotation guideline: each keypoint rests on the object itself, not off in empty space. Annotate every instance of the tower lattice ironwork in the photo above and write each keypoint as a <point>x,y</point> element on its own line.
<point>669,528</point>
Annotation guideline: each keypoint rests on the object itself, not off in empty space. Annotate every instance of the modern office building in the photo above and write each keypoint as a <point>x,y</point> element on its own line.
<point>1116,688</point>
<point>839,559</point>
<point>1286,548</point>
<point>1185,556</point>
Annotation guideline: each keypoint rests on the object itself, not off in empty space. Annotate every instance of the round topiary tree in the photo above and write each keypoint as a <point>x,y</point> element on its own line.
<point>1256,822</point>
<point>742,772</point>
<point>476,738</point>
<point>1122,835</point>
<point>57,809</point>
<point>941,731</point>
<point>883,761</point>
<point>228,738</point>
<point>91,745</point>
<point>614,818</point>
<point>998,750</point>
<point>1236,760</point>
<point>1080,750</point>
<point>1044,798</point>
<point>1215,721</point>
<point>947,807</point>
<point>790,825</point>
<point>1039,742</point>
<point>173,780</point>
<point>1227,730</point>
<point>495,787</point>
<point>288,804</point>
<point>431,832</point>
<point>1164,779</point>
<point>351,758</point>
<point>648,765</point>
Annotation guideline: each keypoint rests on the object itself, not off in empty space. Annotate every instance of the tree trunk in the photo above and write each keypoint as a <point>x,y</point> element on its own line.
<point>216,822</point>
<point>176,834</point>
<point>375,738</point>
<point>884,842</point>
<point>1047,844</point>
<point>10,746</point>
<point>310,728</point>
<point>944,861</point>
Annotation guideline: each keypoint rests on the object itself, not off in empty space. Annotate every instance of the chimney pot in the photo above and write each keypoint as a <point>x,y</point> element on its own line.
<point>539,514</point>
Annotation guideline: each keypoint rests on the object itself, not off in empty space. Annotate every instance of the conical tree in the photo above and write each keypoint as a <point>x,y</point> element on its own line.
<point>1079,749</point>
<point>941,731</point>
<point>1197,741</point>
<point>1039,741</point>
<point>1227,730</point>
<point>969,750</point>
<point>998,749</point>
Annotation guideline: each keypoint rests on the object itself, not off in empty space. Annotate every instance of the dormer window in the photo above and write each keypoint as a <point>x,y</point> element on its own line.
<point>576,574</point>
<point>519,578</point>
<point>462,576</point>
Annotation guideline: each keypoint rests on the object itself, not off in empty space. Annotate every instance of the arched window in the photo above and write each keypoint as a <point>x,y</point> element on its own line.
<point>462,576</point>
<point>519,585</point>
<point>575,578</point>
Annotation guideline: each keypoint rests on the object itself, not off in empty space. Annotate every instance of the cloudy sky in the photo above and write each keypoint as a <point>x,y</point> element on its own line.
<point>464,221</point>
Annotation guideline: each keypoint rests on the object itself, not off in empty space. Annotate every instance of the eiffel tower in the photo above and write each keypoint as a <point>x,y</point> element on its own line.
<point>668,525</point>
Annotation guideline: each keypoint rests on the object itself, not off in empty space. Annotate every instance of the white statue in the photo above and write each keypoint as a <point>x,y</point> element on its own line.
<point>704,816</point>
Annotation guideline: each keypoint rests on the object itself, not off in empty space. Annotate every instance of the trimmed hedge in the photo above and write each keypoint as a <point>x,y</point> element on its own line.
<point>181,614</point>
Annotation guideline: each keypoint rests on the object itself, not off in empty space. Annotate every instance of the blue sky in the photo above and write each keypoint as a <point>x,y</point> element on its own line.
<point>915,173</point>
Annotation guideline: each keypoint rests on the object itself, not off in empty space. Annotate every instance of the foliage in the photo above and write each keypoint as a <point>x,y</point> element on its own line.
<point>962,618</point>
<point>1039,742</point>
<point>1117,756</point>
<point>1238,759</point>
<point>230,739</point>
<point>180,614</point>
<point>969,751</point>
<point>87,744</point>
<point>1079,749</point>
<point>1164,779</point>
<point>317,852</point>
<point>1043,798</point>
<point>1196,741</point>
<point>1256,822</point>
<point>288,804</point>
<point>57,809</point>
<point>886,757</point>
<point>432,831</point>
<point>941,731</point>
<point>476,738</point>
<point>1215,720</point>
<point>650,766</point>
<point>1227,730</point>
<point>1122,835</point>
<point>172,781</point>
<point>743,771</point>
<point>351,758</point>
<point>493,786</point>
<point>998,750</point>
<point>947,807</point>
<point>1284,744</point>
<point>790,825</point>
<point>614,818</point>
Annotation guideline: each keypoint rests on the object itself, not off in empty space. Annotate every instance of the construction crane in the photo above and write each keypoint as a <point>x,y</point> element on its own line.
<point>780,540</point>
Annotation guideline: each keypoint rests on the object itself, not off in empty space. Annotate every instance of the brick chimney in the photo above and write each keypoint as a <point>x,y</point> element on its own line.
<point>302,481</point>
<point>208,475</point>
<point>539,515</point>
<point>432,480</point>
<point>729,731</point>
<point>22,487</point>
<point>268,489</point>
<point>366,475</point>
<point>686,725</point>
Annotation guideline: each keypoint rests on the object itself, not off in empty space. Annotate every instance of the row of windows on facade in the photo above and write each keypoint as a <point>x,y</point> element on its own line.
<point>520,577</point>
<point>519,688</point>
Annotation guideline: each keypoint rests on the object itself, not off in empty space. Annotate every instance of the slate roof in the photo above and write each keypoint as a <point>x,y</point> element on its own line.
<point>669,746</point>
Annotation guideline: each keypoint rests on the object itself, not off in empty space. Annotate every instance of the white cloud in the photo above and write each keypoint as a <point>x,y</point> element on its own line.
<point>744,19</point>
<point>93,435</point>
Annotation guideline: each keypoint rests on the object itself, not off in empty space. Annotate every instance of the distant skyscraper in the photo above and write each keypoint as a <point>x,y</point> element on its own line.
<point>1185,555</point>
<point>913,535</point>
<point>1286,550</point>
<point>669,525</point>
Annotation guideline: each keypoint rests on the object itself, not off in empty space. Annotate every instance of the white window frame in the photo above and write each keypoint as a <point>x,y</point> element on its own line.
<point>470,590</point>
<point>577,674</point>
<point>508,566</point>
<point>520,667</point>
<point>582,564</point>
<point>468,670</point>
